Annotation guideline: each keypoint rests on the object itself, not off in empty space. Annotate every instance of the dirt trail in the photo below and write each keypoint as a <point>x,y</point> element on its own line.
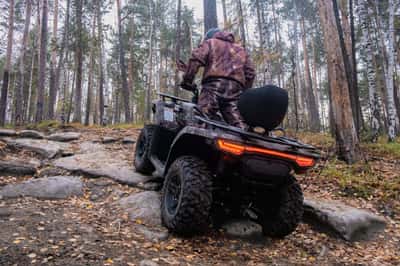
<point>93,230</point>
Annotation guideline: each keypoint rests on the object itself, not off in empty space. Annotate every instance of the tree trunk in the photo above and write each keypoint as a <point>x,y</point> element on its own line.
<point>7,67</point>
<point>241,23</point>
<point>89,97</point>
<point>349,43</point>
<point>42,65</point>
<point>101,59</point>
<point>79,63</point>
<point>371,75</point>
<point>354,98</point>
<point>224,13</point>
<point>178,46</point>
<point>71,97</point>
<point>125,89</point>
<point>345,131</point>
<point>392,114</point>
<point>150,71</point>
<point>53,88</point>
<point>210,15</point>
<point>19,99</point>
<point>315,123</point>
<point>64,44</point>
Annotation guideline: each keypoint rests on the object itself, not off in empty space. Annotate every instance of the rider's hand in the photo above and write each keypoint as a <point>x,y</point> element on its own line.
<point>188,86</point>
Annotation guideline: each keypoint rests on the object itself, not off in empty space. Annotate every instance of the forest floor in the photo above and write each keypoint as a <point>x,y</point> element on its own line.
<point>90,230</point>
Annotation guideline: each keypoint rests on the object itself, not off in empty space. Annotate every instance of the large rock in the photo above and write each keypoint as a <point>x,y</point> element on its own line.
<point>242,228</point>
<point>128,140</point>
<point>7,133</point>
<point>144,207</point>
<point>106,164</point>
<point>58,187</point>
<point>31,134</point>
<point>108,140</point>
<point>350,223</point>
<point>15,167</point>
<point>90,147</point>
<point>152,234</point>
<point>46,148</point>
<point>65,136</point>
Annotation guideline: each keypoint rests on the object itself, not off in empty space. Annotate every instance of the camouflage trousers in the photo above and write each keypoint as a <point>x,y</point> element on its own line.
<point>220,97</point>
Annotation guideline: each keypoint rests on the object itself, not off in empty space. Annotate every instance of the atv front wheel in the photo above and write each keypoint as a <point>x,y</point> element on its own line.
<point>142,153</point>
<point>285,213</point>
<point>187,196</point>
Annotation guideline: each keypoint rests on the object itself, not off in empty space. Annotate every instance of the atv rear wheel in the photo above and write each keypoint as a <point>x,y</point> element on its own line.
<point>187,196</point>
<point>142,153</point>
<point>282,217</point>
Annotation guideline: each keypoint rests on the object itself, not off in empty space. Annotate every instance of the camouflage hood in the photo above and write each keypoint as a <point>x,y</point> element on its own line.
<point>225,36</point>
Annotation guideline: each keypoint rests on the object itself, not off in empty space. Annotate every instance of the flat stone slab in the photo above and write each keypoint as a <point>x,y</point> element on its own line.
<point>64,136</point>
<point>45,148</point>
<point>350,223</point>
<point>57,187</point>
<point>7,133</point>
<point>102,164</point>
<point>107,140</point>
<point>152,234</point>
<point>241,228</point>
<point>128,140</point>
<point>91,147</point>
<point>14,167</point>
<point>144,207</point>
<point>31,134</point>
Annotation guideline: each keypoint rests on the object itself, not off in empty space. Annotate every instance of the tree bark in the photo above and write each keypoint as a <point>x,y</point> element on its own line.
<point>392,114</point>
<point>125,89</point>
<point>241,23</point>
<point>150,71</point>
<point>178,46</point>
<point>19,99</point>
<point>64,44</point>
<point>42,65</point>
<point>315,123</point>
<point>90,77</point>
<point>101,59</point>
<point>354,98</point>
<point>224,13</point>
<point>79,63</point>
<point>371,75</point>
<point>345,131</point>
<point>7,67</point>
<point>210,15</point>
<point>53,88</point>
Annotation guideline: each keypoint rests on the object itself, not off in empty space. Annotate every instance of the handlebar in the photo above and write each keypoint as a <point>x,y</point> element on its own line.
<point>175,99</point>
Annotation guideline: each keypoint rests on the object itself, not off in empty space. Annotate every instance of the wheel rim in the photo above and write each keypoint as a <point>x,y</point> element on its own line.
<point>173,193</point>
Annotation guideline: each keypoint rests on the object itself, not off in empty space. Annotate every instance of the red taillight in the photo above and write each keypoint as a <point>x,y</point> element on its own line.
<point>229,147</point>
<point>239,149</point>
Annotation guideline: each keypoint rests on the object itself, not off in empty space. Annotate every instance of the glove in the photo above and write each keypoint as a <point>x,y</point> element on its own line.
<point>188,86</point>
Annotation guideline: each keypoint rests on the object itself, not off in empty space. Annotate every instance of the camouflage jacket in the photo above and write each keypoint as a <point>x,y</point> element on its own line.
<point>221,57</point>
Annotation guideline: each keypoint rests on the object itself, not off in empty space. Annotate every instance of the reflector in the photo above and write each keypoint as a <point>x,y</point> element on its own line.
<point>239,149</point>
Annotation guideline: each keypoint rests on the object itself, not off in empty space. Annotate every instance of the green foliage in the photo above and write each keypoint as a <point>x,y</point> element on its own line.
<point>45,125</point>
<point>384,149</point>
<point>361,180</point>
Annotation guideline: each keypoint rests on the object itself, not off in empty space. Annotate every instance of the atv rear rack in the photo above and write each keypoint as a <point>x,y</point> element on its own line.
<point>248,135</point>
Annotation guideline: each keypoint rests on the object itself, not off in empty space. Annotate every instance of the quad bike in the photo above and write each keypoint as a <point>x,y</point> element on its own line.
<point>212,170</point>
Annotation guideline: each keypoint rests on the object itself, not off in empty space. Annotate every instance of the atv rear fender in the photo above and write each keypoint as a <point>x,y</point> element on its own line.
<point>192,141</point>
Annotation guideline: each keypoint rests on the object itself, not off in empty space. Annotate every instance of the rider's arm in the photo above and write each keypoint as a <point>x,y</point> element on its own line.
<point>198,59</point>
<point>249,73</point>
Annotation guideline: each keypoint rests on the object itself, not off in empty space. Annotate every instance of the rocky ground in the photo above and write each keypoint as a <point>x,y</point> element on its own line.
<point>75,199</point>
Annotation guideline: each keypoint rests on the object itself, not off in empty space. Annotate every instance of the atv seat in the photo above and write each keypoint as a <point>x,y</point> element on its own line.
<point>264,107</point>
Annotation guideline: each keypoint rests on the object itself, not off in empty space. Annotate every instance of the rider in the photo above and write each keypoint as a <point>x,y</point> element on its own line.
<point>228,71</point>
